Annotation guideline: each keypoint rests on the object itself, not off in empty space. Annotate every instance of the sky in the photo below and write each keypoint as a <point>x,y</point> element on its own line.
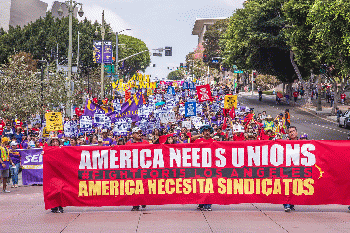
<point>159,23</point>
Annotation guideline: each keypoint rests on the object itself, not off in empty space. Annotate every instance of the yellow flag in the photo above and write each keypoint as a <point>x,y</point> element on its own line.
<point>53,121</point>
<point>230,101</point>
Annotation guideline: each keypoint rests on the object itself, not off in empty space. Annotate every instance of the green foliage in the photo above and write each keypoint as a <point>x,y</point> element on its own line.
<point>41,37</point>
<point>176,75</point>
<point>254,40</point>
<point>21,88</point>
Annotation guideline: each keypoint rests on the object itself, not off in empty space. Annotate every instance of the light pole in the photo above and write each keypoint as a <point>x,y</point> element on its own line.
<point>116,50</point>
<point>71,6</point>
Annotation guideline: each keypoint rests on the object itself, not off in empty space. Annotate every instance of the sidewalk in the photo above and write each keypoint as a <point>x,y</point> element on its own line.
<point>326,112</point>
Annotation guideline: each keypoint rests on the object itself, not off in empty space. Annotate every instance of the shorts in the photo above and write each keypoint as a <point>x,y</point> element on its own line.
<point>5,173</point>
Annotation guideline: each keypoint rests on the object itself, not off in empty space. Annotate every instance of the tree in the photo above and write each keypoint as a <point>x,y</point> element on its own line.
<point>254,40</point>
<point>211,41</point>
<point>23,93</point>
<point>41,38</point>
<point>330,32</point>
<point>176,75</point>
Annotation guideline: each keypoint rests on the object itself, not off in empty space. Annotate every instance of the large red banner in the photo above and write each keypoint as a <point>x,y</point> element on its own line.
<point>296,172</point>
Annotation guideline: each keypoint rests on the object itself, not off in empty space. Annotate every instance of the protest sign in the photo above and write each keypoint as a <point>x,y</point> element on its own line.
<point>70,129</point>
<point>204,93</point>
<point>190,109</point>
<point>53,121</point>
<point>86,124</point>
<point>121,127</point>
<point>278,172</point>
<point>230,101</point>
<point>32,166</point>
<point>186,124</point>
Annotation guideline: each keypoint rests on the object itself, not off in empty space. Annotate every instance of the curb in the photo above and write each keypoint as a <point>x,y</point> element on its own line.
<point>316,115</point>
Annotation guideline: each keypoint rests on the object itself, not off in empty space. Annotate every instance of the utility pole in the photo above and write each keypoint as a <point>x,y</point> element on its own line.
<point>70,4</point>
<point>253,82</point>
<point>78,57</point>
<point>103,31</point>
<point>319,105</point>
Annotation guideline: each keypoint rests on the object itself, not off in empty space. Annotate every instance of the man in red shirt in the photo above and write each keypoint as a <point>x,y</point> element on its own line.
<point>295,95</point>
<point>342,97</point>
<point>206,131</point>
<point>2,126</point>
<point>136,139</point>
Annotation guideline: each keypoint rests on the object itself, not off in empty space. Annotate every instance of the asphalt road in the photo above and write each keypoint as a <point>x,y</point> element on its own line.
<point>316,127</point>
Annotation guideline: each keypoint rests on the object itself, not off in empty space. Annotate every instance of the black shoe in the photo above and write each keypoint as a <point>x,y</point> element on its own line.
<point>292,208</point>
<point>60,209</point>
<point>55,210</point>
<point>143,206</point>
<point>287,209</point>
<point>349,207</point>
<point>199,207</point>
<point>135,208</point>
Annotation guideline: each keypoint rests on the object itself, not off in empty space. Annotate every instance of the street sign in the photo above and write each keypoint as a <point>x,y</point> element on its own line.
<point>110,68</point>
<point>168,51</point>
<point>238,72</point>
<point>157,54</point>
<point>214,61</point>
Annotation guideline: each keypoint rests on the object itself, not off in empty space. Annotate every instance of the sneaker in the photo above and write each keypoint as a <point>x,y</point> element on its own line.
<point>135,208</point>
<point>16,185</point>
<point>292,208</point>
<point>349,207</point>
<point>12,186</point>
<point>199,207</point>
<point>286,209</point>
<point>205,209</point>
<point>143,206</point>
<point>54,210</point>
<point>7,191</point>
<point>209,209</point>
<point>60,209</point>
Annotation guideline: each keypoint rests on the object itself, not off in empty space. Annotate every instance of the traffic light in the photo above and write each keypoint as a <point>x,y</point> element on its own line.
<point>254,75</point>
<point>181,65</point>
<point>205,57</point>
<point>168,51</point>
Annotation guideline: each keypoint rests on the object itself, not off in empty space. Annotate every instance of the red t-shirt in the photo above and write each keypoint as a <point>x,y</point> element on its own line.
<point>2,125</point>
<point>203,140</point>
<point>132,142</point>
<point>295,94</point>
<point>342,96</point>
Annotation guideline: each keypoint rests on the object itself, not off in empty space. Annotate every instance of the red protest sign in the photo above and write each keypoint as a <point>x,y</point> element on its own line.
<point>204,93</point>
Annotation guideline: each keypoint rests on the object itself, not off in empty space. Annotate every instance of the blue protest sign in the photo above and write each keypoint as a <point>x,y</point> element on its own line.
<point>190,109</point>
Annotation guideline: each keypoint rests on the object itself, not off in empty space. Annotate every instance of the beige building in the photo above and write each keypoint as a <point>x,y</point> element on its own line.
<point>201,26</point>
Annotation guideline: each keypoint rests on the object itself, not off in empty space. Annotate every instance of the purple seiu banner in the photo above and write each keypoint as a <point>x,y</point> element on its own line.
<point>91,108</point>
<point>32,166</point>
<point>107,52</point>
<point>129,109</point>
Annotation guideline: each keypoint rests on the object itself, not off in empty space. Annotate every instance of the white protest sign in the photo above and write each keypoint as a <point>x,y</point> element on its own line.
<point>70,128</point>
<point>86,124</point>
<point>187,124</point>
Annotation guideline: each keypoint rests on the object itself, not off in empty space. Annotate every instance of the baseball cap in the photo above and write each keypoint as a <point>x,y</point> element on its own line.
<point>136,130</point>
<point>13,143</point>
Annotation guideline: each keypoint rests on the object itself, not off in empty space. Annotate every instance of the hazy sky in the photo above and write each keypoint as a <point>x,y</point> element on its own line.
<point>159,23</point>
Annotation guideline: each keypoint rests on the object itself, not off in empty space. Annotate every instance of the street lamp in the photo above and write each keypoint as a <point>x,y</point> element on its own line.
<point>71,6</point>
<point>116,50</point>
<point>103,32</point>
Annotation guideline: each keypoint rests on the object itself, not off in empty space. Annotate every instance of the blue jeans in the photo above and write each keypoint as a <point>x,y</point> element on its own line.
<point>14,173</point>
<point>288,206</point>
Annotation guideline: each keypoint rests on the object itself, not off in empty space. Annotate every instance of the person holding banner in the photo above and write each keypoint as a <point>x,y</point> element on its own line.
<point>206,131</point>
<point>55,141</point>
<point>5,161</point>
<point>136,139</point>
<point>293,135</point>
<point>16,159</point>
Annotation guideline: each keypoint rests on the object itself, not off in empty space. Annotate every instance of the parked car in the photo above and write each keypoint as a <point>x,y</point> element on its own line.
<point>344,120</point>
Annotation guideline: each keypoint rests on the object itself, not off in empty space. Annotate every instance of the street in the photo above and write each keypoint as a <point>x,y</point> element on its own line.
<point>23,210</point>
<point>315,127</point>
